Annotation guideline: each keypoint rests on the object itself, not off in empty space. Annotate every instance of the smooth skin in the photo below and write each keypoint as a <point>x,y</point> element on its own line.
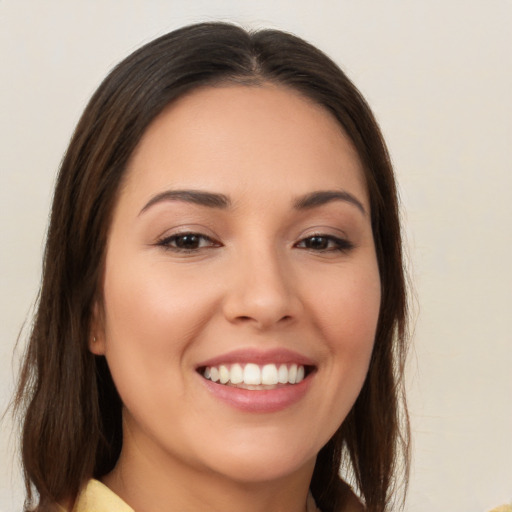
<point>186,282</point>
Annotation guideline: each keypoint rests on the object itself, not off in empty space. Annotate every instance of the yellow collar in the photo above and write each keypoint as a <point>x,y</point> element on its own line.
<point>97,497</point>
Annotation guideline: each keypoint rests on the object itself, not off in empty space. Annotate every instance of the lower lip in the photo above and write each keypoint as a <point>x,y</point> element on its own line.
<point>259,401</point>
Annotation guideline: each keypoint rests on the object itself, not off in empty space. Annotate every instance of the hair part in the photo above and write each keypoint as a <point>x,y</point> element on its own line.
<point>66,395</point>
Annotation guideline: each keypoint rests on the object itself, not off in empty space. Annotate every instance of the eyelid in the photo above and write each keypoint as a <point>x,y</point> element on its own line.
<point>187,229</point>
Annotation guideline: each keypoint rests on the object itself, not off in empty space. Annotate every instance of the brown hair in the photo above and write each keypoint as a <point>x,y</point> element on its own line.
<point>72,412</point>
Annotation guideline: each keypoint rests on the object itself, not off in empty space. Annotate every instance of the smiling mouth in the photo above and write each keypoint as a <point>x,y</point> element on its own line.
<point>256,377</point>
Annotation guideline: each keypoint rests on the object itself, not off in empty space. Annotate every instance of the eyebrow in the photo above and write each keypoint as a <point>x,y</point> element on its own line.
<point>215,200</point>
<point>322,197</point>
<point>208,199</point>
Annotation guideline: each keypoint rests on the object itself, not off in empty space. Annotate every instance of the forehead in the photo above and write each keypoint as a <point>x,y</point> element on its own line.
<point>232,136</point>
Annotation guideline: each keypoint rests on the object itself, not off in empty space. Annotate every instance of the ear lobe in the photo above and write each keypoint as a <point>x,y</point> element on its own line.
<point>97,333</point>
<point>97,345</point>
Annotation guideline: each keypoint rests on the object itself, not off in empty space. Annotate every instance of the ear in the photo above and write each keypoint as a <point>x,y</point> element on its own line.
<point>97,331</point>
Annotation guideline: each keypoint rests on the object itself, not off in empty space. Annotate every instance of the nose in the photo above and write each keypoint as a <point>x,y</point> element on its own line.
<point>262,291</point>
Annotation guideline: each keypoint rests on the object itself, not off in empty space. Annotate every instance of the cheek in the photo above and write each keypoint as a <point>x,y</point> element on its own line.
<point>347,314</point>
<point>150,321</point>
<point>150,317</point>
<point>154,316</point>
<point>348,310</point>
<point>150,306</point>
<point>345,311</point>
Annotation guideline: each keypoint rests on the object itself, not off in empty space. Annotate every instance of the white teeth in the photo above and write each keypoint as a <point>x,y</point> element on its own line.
<point>292,374</point>
<point>282,374</point>
<point>254,375</point>
<point>223,374</point>
<point>237,374</point>
<point>269,375</point>
<point>214,374</point>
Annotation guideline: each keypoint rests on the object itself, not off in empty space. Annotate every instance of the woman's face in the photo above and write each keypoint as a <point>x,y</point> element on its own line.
<point>241,290</point>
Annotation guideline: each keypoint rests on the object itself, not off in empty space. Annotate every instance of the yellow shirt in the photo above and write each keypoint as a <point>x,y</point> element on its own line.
<point>97,497</point>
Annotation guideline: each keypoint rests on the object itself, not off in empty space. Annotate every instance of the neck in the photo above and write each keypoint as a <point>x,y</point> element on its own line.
<point>151,482</point>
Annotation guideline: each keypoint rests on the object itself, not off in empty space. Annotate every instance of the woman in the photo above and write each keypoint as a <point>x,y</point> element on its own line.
<point>221,321</point>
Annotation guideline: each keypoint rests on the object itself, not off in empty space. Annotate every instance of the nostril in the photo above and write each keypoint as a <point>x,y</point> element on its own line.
<point>258,319</point>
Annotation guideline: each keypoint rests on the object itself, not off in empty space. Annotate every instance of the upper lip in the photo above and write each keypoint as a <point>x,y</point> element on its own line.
<point>261,357</point>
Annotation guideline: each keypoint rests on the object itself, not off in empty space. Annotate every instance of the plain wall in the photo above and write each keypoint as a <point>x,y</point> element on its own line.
<point>438,75</point>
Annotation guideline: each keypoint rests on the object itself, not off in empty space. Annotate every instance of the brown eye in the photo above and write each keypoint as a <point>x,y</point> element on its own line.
<point>325,243</point>
<point>187,242</point>
<point>319,243</point>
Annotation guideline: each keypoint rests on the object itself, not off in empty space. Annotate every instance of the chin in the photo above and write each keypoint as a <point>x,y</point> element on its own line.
<point>259,462</point>
<point>263,471</point>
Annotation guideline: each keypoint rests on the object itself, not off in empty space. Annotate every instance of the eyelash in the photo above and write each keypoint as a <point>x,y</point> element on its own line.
<point>167,242</point>
<point>329,243</point>
<point>334,243</point>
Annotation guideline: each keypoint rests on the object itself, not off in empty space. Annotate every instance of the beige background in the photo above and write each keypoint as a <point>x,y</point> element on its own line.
<point>439,77</point>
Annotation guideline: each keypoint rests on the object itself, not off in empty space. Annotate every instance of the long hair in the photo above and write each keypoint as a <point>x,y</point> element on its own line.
<point>71,410</point>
